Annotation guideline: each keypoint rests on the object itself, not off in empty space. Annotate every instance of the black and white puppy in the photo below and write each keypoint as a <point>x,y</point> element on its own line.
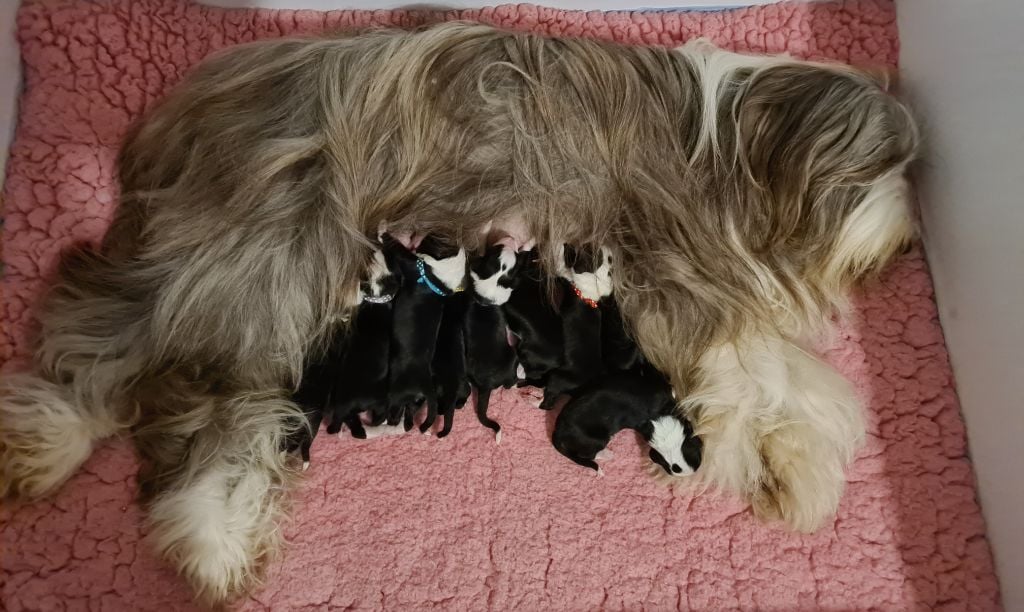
<point>639,399</point>
<point>429,278</point>
<point>534,321</point>
<point>490,359</point>
<point>352,375</point>
<point>586,278</point>
<point>362,381</point>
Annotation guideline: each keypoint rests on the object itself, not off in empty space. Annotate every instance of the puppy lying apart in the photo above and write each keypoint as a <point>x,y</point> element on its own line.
<point>429,278</point>
<point>639,399</point>
<point>352,376</point>
<point>586,278</point>
<point>490,359</point>
<point>534,321</point>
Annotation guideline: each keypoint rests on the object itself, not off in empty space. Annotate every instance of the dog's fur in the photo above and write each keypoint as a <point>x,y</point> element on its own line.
<point>585,272</point>
<point>490,359</point>
<point>532,316</point>
<point>639,399</point>
<point>741,196</point>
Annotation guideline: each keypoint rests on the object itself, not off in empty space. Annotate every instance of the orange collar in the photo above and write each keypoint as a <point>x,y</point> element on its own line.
<point>586,300</point>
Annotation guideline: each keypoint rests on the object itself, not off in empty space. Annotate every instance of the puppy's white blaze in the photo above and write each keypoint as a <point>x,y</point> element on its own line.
<point>668,437</point>
<point>377,272</point>
<point>604,273</point>
<point>451,271</point>
<point>588,283</point>
<point>879,225</point>
<point>488,288</point>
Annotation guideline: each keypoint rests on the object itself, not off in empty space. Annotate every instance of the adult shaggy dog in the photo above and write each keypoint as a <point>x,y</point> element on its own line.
<point>739,196</point>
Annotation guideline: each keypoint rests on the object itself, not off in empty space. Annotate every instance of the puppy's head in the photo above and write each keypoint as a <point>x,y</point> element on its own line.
<point>588,268</point>
<point>447,261</point>
<point>382,280</point>
<point>673,445</point>
<point>493,274</point>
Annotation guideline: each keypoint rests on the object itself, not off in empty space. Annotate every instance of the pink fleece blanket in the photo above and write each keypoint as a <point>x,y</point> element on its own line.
<point>415,523</point>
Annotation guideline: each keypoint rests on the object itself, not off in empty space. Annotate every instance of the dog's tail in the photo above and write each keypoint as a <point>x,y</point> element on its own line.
<point>76,394</point>
<point>483,398</point>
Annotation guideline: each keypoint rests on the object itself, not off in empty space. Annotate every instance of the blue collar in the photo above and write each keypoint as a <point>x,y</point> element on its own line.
<point>425,280</point>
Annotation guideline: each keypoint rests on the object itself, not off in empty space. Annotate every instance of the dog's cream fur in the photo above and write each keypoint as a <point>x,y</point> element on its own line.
<point>739,196</point>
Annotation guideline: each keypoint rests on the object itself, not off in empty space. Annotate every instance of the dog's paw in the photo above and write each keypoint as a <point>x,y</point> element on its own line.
<point>43,437</point>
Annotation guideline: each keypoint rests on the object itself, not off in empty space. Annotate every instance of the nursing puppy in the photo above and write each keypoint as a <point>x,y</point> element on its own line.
<point>490,359</point>
<point>585,275</point>
<point>450,365</point>
<point>618,348</point>
<point>533,320</point>
<point>352,376</point>
<point>640,399</point>
<point>361,382</point>
<point>429,278</point>
<point>743,196</point>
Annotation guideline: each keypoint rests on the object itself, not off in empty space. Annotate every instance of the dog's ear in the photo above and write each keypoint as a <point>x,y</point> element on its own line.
<point>801,127</point>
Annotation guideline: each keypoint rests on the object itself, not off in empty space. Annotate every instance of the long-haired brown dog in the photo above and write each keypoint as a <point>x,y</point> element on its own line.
<point>739,196</point>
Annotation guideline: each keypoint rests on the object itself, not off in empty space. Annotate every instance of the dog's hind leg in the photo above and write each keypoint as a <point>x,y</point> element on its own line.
<point>483,398</point>
<point>449,419</point>
<point>431,417</point>
<point>215,481</point>
<point>355,426</point>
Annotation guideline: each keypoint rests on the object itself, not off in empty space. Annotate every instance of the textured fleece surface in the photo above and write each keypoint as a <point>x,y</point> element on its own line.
<point>415,523</point>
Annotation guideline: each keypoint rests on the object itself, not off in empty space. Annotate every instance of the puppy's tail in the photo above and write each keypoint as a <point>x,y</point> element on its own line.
<point>483,398</point>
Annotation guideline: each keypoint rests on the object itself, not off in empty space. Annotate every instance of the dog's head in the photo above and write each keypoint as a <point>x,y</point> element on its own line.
<point>493,274</point>
<point>673,445</point>
<point>824,149</point>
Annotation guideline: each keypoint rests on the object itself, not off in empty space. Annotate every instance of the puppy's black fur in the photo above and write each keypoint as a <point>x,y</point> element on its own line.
<point>352,375</point>
<point>449,364</point>
<point>639,399</point>
<point>618,348</point>
<point>534,321</point>
<point>362,381</point>
<point>582,357</point>
<point>490,359</point>
<point>417,318</point>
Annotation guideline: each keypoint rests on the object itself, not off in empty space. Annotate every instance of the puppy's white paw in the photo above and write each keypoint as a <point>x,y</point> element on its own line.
<point>497,437</point>
<point>305,466</point>
<point>605,455</point>
<point>520,372</point>
<point>600,472</point>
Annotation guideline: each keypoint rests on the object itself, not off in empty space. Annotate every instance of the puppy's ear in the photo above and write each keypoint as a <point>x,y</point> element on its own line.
<point>646,430</point>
